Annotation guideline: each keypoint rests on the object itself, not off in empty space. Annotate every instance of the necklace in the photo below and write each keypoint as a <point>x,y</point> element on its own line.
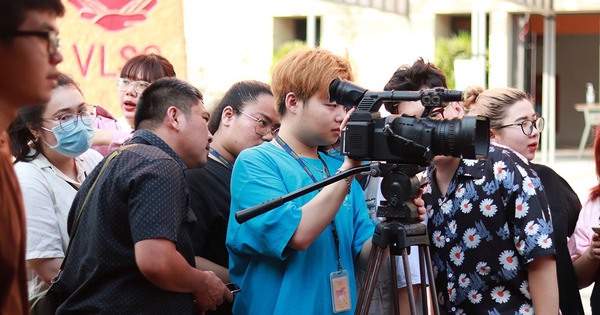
<point>320,170</point>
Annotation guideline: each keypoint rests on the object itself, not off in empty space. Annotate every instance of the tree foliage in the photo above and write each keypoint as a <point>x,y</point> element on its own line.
<point>448,49</point>
<point>284,49</point>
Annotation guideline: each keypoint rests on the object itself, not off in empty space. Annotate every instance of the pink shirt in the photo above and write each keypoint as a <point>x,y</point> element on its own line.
<point>105,121</point>
<point>582,236</point>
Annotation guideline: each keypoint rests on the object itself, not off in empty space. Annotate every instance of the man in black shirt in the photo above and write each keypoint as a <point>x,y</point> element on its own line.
<point>132,253</point>
<point>244,118</point>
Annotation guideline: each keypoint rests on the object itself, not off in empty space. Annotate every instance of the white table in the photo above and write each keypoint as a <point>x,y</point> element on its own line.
<point>591,115</point>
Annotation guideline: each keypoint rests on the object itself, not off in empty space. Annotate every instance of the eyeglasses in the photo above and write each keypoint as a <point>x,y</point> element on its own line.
<point>437,113</point>
<point>262,127</point>
<point>139,86</point>
<point>64,120</point>
<point>527,125</point>
<point>50,36</point>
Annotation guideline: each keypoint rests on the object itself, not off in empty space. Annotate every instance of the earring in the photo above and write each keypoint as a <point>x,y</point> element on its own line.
<point>32,142</point>
<point>35,139</point>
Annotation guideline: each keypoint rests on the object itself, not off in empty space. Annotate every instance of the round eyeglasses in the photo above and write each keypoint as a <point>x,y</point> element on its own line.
<point>64,121</point>
<point>139,86</point>
<point>261,127</point>
<point>527,125</point>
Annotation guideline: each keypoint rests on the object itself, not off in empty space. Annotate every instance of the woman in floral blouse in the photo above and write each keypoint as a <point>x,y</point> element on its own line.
<point>514,123</point>
<point>491,233</point>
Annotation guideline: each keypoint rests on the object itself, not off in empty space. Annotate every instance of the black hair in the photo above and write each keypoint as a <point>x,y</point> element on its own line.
<point>237,97</point>
<point>413,78</point>
<point>13,13</point>
<point>161,95</point>
<point>31,116</point>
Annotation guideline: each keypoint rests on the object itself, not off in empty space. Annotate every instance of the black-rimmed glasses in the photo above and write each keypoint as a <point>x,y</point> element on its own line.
<point>68,122</point>
<point>261,127</point>
<point>139,86</point>
<point>50,36</point>
<point>527,125</point>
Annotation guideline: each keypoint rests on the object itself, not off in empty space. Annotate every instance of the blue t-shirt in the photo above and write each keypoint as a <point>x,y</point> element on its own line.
<point>275,278</point>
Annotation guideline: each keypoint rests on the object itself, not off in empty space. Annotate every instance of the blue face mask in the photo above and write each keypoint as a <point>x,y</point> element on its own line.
<point>76,141</point>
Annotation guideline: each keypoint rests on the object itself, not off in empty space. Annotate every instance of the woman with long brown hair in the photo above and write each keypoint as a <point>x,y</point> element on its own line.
<point>51,143</point>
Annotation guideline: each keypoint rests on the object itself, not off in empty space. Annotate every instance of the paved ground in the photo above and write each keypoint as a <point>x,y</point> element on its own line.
<point>581,175</point>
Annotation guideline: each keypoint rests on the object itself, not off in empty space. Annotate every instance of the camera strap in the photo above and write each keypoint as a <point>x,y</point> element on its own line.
<point>295,155</point>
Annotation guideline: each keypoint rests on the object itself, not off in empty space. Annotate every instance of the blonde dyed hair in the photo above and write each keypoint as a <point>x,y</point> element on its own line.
<point>492,103</point>
<point>307,72</point>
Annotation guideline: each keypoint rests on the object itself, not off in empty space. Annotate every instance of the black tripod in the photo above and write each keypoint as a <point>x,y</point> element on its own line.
<point>398,232</point>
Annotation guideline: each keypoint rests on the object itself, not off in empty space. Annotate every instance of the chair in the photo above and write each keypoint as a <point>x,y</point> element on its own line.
<point>591,115</point>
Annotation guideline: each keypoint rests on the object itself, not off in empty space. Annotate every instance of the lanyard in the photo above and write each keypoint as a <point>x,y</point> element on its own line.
<point>291,152</point>
<point>220,158</point>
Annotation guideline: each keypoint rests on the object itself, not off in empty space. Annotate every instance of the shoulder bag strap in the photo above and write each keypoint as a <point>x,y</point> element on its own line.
<point>87,197</point>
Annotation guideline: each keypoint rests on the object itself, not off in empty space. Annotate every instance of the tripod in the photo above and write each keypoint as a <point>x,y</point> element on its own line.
<point>398,232</point>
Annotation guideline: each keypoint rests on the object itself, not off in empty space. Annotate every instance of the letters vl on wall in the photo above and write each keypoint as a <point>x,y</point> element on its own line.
<point>99,36</point>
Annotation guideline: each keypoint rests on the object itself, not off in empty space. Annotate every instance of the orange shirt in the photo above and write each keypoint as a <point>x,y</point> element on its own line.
<point>13,281</point>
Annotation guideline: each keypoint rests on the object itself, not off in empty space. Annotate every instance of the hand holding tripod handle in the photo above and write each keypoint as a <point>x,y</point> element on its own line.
<point>249,213</point>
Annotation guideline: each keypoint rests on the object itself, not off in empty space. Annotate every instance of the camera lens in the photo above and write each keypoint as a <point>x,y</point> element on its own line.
<point>467,137</point>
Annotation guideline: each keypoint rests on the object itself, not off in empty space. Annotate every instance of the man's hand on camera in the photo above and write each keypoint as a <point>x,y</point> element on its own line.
<point>418,201</point>
<point>348,162</point>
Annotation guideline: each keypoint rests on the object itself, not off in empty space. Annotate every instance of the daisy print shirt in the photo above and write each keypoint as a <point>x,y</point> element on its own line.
<point>493,220</point>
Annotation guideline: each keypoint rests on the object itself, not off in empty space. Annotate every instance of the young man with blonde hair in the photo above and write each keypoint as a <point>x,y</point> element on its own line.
<point>299,258</point>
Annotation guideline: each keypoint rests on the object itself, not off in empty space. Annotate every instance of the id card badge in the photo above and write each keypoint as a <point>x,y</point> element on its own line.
<point>340,291</point>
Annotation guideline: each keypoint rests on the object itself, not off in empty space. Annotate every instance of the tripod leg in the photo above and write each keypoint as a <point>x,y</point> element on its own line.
<point>409,285</point>
<point>369,280</point>
<point>423,280</point>
<point>394,287</point>
<point>432,290</point>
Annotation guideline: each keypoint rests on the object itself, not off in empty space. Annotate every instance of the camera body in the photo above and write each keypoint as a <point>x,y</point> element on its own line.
<point>406,139</point>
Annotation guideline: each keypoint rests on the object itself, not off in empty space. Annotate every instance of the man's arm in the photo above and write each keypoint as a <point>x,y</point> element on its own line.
<point>207,265</point>
<point>161,263</point>
<point>543,285</point>
<point>318,213</point>
<point>365,253</point>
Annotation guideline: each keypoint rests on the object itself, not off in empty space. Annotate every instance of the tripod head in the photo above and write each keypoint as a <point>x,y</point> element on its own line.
<point>399,186</point>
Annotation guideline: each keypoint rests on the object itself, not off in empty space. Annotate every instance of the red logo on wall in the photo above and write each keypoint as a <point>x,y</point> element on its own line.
<point>114,15</point>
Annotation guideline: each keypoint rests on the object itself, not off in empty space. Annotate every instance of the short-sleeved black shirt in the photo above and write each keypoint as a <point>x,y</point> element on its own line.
<point>141,195</point>
<point>564,207</point>
<point>209,199</point>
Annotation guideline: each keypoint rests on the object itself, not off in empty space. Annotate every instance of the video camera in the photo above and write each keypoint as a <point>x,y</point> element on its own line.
<point>408,143</point>
<point>406,139</point>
